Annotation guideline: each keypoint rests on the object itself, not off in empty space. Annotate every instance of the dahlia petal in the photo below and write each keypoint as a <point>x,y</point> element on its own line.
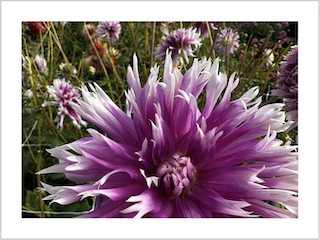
<point>289,182</point>
<point>162,137</point>
<point>99,109</point>
<point>133,172</point>
<point>188,209</point>
<point>224,103</point>
<point>231,179</point>
<point>166,211</point>
<point>214,88</point>
<point>115,194</point>
<point>109,210</point>
<point>268,211</point>
<point>148,201</point>
<point>276,195</point>
<point>184,113</point>
<point>64,195</point>
<point>133,77</point>
<point>218,204</point>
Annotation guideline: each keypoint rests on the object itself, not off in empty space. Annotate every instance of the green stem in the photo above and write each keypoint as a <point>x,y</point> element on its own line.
<point>39,168</point>
<point>135,43</point>
<point>100,60</point>
<point>31,153</point>
<point>211,42</point>
<point>152,43</point>
<point>56,38</point>
<point>257,68</point>
<point>274,65</point>
<point>146,45</point>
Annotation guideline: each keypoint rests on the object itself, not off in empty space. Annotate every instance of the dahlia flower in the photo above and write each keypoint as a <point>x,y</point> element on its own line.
<point>109,30</point>
<point>64,93</point>
<point>288,83</point>
<point>227,41</point>
<point>180,44</point>
<point>202,28</point>
<point>42,64</point>
<point>92,31</point>
<point>165,157</point>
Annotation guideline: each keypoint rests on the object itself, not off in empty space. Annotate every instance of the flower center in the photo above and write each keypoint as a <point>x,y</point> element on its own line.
<point>227,41</point>
<point>176,175</point>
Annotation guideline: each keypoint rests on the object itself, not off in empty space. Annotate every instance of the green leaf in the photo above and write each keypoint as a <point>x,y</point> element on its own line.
<point>32,200</point>
<point>122,60</point>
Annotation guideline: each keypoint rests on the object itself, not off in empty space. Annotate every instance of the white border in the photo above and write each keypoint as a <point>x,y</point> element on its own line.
<point>13,13</point>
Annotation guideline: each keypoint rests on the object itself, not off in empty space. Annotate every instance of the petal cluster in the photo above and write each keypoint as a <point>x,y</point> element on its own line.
<point>165,157</point>
<point>227,41</point>
<point>64,93</point>
<point>288,84</point>
<point>181,44</point>
<point>42,64</point>
<point>109,30</point>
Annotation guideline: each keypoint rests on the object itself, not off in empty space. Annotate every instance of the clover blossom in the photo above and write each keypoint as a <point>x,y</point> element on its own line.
<point>181,43</point>
<point>64,93</point>
<point>166,158</point>
<point>227,41</point>
<point>288,83</point>
<point>109,30</point>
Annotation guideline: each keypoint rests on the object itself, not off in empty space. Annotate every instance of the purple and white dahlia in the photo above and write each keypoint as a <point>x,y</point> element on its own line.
<point>180,43</point>
<point>64,93</point>
<point>166,158</point>
<point>227,41</point>
<point>203,28</point>
<point>109,30</point>
<point>288,83</point>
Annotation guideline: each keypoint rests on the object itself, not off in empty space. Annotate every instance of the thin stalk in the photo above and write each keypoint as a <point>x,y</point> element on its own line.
<point>27,143</point>
<point>81,134</point>
<point>82,65</point>
<point>152,43</point>
<point>271,69</point>
<point>211,41</point>
<point>41,45</point>
<point>74,52</point>
<point>51,48</point>
<point>100,60</point>
<point>257,68</point>
<point>115,71</point>
<point>38,103</point>
<point>25,208</point>
<point>118,95</point>
<point>56,38</point>
<point>245,53</point>
<point>145,73</point>
<point>242,60</point>
<point>134,41</point>
<point>146,45</point>
<point>39,168</point>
